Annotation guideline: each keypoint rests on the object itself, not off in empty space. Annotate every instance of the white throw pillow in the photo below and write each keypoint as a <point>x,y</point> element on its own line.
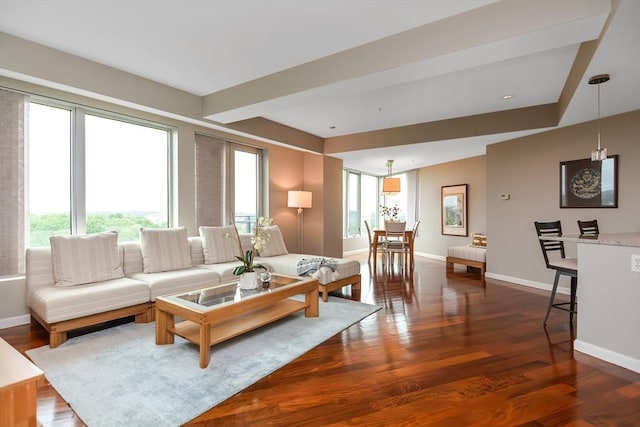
<point>220,244</point>
<point>87,258</point>
<point>164,249</point>
<point>274,244</point>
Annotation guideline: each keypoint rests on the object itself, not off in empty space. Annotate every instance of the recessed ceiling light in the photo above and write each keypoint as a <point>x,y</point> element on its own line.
<point>507,97</point>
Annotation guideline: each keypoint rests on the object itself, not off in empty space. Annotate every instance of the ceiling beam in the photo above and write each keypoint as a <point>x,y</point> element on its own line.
<point>538,117</point>
<point>500,20</point>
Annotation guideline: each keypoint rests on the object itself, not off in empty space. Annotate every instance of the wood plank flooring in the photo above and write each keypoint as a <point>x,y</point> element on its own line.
<point>443,351</point>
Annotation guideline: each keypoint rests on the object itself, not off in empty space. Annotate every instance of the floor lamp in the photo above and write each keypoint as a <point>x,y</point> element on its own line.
<point>300,200</point>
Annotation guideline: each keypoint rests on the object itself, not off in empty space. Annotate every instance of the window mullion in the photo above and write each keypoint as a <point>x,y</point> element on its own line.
<point>78,187</point>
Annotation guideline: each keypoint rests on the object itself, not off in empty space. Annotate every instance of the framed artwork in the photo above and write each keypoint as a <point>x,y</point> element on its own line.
<point>454,210</point>
<point>587,183</point>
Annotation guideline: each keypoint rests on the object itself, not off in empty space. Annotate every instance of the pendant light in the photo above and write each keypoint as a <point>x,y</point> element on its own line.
<point>599,153</point>
<point>390,185</point>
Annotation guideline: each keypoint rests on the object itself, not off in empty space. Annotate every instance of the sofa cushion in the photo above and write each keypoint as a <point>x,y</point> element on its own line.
<point>197,253</point>
<point>82,259</point>
<point>164,249</point>
<point>169,282</point>
<point>55,304</point>
<point>288,264</point>
<point>220,244</point>
<point>468,252</point>
<point>274,243</point>
<point>224,269</point>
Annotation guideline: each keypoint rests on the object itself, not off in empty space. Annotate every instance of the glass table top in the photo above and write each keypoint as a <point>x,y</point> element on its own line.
<point>228,293</point>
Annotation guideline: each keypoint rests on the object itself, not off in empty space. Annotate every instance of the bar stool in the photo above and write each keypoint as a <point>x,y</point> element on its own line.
<point>562,266</point>
<point>589,227</point>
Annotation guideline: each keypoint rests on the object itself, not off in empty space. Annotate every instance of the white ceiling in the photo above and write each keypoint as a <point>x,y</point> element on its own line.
<point>419,73</point>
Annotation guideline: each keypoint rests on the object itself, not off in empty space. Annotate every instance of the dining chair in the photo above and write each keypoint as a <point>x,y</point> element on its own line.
<point>371,242</point>
<point>410,243</point>
<point>561,264</point>
<point>394,243</point>
<point>589,227</point>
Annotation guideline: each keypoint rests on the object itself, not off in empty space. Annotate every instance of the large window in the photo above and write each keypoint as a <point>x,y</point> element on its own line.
<point>49,183</point>
<point>91,172</point>
<point>360,202</point>
<point>245,164</point>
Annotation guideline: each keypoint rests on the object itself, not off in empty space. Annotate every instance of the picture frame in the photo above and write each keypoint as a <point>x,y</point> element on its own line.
<point>587,183</point>
<point>454,210</point>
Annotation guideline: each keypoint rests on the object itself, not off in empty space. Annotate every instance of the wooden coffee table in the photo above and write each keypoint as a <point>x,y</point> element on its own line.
<point>219,312</point>
<point>18,388</point>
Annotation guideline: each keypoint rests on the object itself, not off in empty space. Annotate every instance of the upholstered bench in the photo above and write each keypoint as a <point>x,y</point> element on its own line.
<point>473,255</point>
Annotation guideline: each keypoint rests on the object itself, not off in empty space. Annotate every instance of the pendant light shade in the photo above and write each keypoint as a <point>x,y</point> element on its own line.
<point>390,185</point>
<point>599,153</point>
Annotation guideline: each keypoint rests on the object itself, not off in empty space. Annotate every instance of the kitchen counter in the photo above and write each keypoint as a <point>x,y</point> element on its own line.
<point>608,296</point>
<point>613,239</point>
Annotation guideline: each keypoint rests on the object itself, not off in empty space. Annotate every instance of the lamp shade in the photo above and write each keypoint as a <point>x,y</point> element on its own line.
<point>390,185</point>
<point>299,199</point>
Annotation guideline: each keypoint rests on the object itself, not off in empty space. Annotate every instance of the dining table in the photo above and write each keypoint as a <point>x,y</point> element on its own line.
<point>377,234</point>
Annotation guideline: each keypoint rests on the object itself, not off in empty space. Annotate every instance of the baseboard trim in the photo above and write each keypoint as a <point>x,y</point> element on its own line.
<point>528,283</point>
<point>510,279</point>
<point>607,355</point>
<point>10,322</point>
<point>355,252</point>
<point>432,256</point>
<point>488,275</point>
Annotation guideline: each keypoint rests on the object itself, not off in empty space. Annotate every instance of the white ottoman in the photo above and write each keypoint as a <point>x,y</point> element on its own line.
<point>467,255</point>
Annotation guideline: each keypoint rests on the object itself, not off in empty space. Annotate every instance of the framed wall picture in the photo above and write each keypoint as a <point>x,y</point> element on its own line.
<point>587,183</point>
<point>454,210</point>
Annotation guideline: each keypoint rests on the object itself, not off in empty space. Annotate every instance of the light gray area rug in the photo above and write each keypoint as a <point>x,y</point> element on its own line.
<point>120,377</point>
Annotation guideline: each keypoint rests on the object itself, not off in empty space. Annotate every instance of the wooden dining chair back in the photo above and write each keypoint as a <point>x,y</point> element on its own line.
<point>371,242</point>
<point>558,262</point>
<point>411,241</point>
<point>588,227</point>
<point>395,226</point>
<point>394,243</point>
<point>415,230</point>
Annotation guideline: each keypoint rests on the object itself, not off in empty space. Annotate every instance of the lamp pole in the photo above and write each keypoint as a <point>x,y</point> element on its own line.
<point>300,200</point>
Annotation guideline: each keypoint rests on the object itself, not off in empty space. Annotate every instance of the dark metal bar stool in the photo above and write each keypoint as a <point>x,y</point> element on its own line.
<point>589,227</point>
<point>562,266</point>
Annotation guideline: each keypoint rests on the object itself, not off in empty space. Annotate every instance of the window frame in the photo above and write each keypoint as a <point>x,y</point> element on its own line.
<point>347,191</point>
<point>77,151</point>
<point>232,148</point>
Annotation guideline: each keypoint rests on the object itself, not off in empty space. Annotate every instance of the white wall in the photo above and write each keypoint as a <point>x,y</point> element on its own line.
<point>614,336</point>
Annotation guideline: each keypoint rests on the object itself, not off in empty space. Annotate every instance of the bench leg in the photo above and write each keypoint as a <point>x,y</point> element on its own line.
<point>449,266</point>
<point>57,338</point>
<point>450,261</point>
<point>325,294</point>
<point>146,317</point>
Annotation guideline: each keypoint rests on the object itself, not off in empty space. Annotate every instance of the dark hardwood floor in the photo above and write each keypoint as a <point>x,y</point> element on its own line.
<point>443,351</point>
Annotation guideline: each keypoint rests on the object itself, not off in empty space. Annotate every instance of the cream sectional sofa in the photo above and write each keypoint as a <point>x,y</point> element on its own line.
<point>62,308</point>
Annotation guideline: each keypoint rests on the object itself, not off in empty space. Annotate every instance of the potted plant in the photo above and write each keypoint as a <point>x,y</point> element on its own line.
<point>246,271</point>
<point>390,214</point>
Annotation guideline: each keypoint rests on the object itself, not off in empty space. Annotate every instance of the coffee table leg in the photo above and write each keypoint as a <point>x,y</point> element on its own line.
<point>205,349</point>
<point>311,300</point>
<point>164,322</point>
